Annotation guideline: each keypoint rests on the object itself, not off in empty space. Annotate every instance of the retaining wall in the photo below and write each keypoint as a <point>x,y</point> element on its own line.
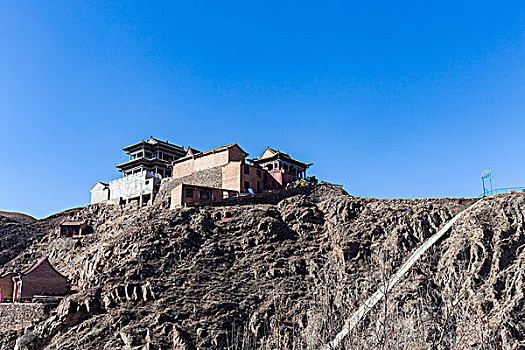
<point>14,316</point>
<point>274,197</point>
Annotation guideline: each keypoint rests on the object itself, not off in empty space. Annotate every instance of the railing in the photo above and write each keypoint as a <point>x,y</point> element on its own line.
<point>149,174</point>
<point>144,173</point>
<point>502,190</point>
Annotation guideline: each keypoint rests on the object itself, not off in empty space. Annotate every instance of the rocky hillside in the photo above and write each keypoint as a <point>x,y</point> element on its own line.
<point>280,274</point>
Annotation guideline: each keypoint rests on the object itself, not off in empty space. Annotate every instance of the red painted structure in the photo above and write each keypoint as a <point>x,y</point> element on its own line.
<point>6,287</point>
<point>41,279</point>
<point>281,169</point>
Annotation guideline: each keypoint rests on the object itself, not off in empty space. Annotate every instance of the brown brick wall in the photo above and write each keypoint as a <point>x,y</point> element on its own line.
<point>183,169</point>
<point>211,160</point>
<point>276,196</point>
<point>179,196</point>
<point>235,155</point>
<point>231,176</point>
<point>44,280</point>
<point>176,197</point>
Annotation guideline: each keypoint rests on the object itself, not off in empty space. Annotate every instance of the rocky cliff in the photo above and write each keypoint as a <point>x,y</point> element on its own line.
<point>279,274</point>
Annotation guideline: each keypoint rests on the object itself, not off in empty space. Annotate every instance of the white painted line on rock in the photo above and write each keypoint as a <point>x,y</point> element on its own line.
<point>352,322</point>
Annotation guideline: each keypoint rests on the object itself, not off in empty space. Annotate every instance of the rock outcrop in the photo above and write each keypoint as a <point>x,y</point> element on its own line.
<point>280,274</point>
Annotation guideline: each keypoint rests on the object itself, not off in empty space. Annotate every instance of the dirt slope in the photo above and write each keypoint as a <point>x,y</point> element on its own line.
<point>280,276</point>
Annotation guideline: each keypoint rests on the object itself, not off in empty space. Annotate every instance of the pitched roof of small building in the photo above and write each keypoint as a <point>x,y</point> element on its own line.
<point>39,262</point>
<point>73,222</point>
<point>268,152</point>
<point>192,151</point>
<point>100,183</point>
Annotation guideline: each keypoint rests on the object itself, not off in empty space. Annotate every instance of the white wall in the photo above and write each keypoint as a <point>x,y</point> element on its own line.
<point>132,186</point>
<point>99,194</point>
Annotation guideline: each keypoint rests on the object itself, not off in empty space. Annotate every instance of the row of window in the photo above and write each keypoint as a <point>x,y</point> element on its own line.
<point>203,194</point>
<point>247,171</point>
<point>161,172</point>
<point>164,156</point>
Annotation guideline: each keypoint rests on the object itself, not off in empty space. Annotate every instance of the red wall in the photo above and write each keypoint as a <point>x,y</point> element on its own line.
<point>277,180</point>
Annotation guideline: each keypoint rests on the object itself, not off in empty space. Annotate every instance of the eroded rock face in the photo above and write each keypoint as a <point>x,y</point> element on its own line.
<point>282,276</point>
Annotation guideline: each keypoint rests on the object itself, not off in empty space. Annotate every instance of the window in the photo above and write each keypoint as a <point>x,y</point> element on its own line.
<point>246,186</point>
<point>246,170</point>
<point>189,192</point>
<point>259,187</point>
<point>204,195</point>
<point>70,230</point>
<point>270,166</point>
<point>258,173</point>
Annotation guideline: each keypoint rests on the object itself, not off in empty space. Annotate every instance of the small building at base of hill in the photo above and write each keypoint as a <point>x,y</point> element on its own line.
<point>39,281</point>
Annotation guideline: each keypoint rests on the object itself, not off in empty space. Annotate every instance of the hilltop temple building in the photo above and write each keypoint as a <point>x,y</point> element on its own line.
<point>188,175</point>
<point>282,168</point>
<point>152,156</point>
<point>148,164</point>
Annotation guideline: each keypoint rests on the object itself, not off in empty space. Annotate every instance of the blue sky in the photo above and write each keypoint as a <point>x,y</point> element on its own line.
<point>390,99</point>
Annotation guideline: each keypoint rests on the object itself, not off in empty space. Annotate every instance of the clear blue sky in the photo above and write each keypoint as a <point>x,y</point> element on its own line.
<point>388,98</point>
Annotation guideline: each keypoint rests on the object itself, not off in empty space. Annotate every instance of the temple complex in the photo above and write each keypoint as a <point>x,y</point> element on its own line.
<point>189,175</point>
<point>224,172</point>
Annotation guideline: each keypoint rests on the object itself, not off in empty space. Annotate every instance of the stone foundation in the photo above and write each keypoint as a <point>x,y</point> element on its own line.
<point>14,316</point>
<point>273,197</point>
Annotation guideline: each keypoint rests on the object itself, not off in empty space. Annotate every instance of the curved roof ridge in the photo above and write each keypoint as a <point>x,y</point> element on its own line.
<point>38,262</point>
